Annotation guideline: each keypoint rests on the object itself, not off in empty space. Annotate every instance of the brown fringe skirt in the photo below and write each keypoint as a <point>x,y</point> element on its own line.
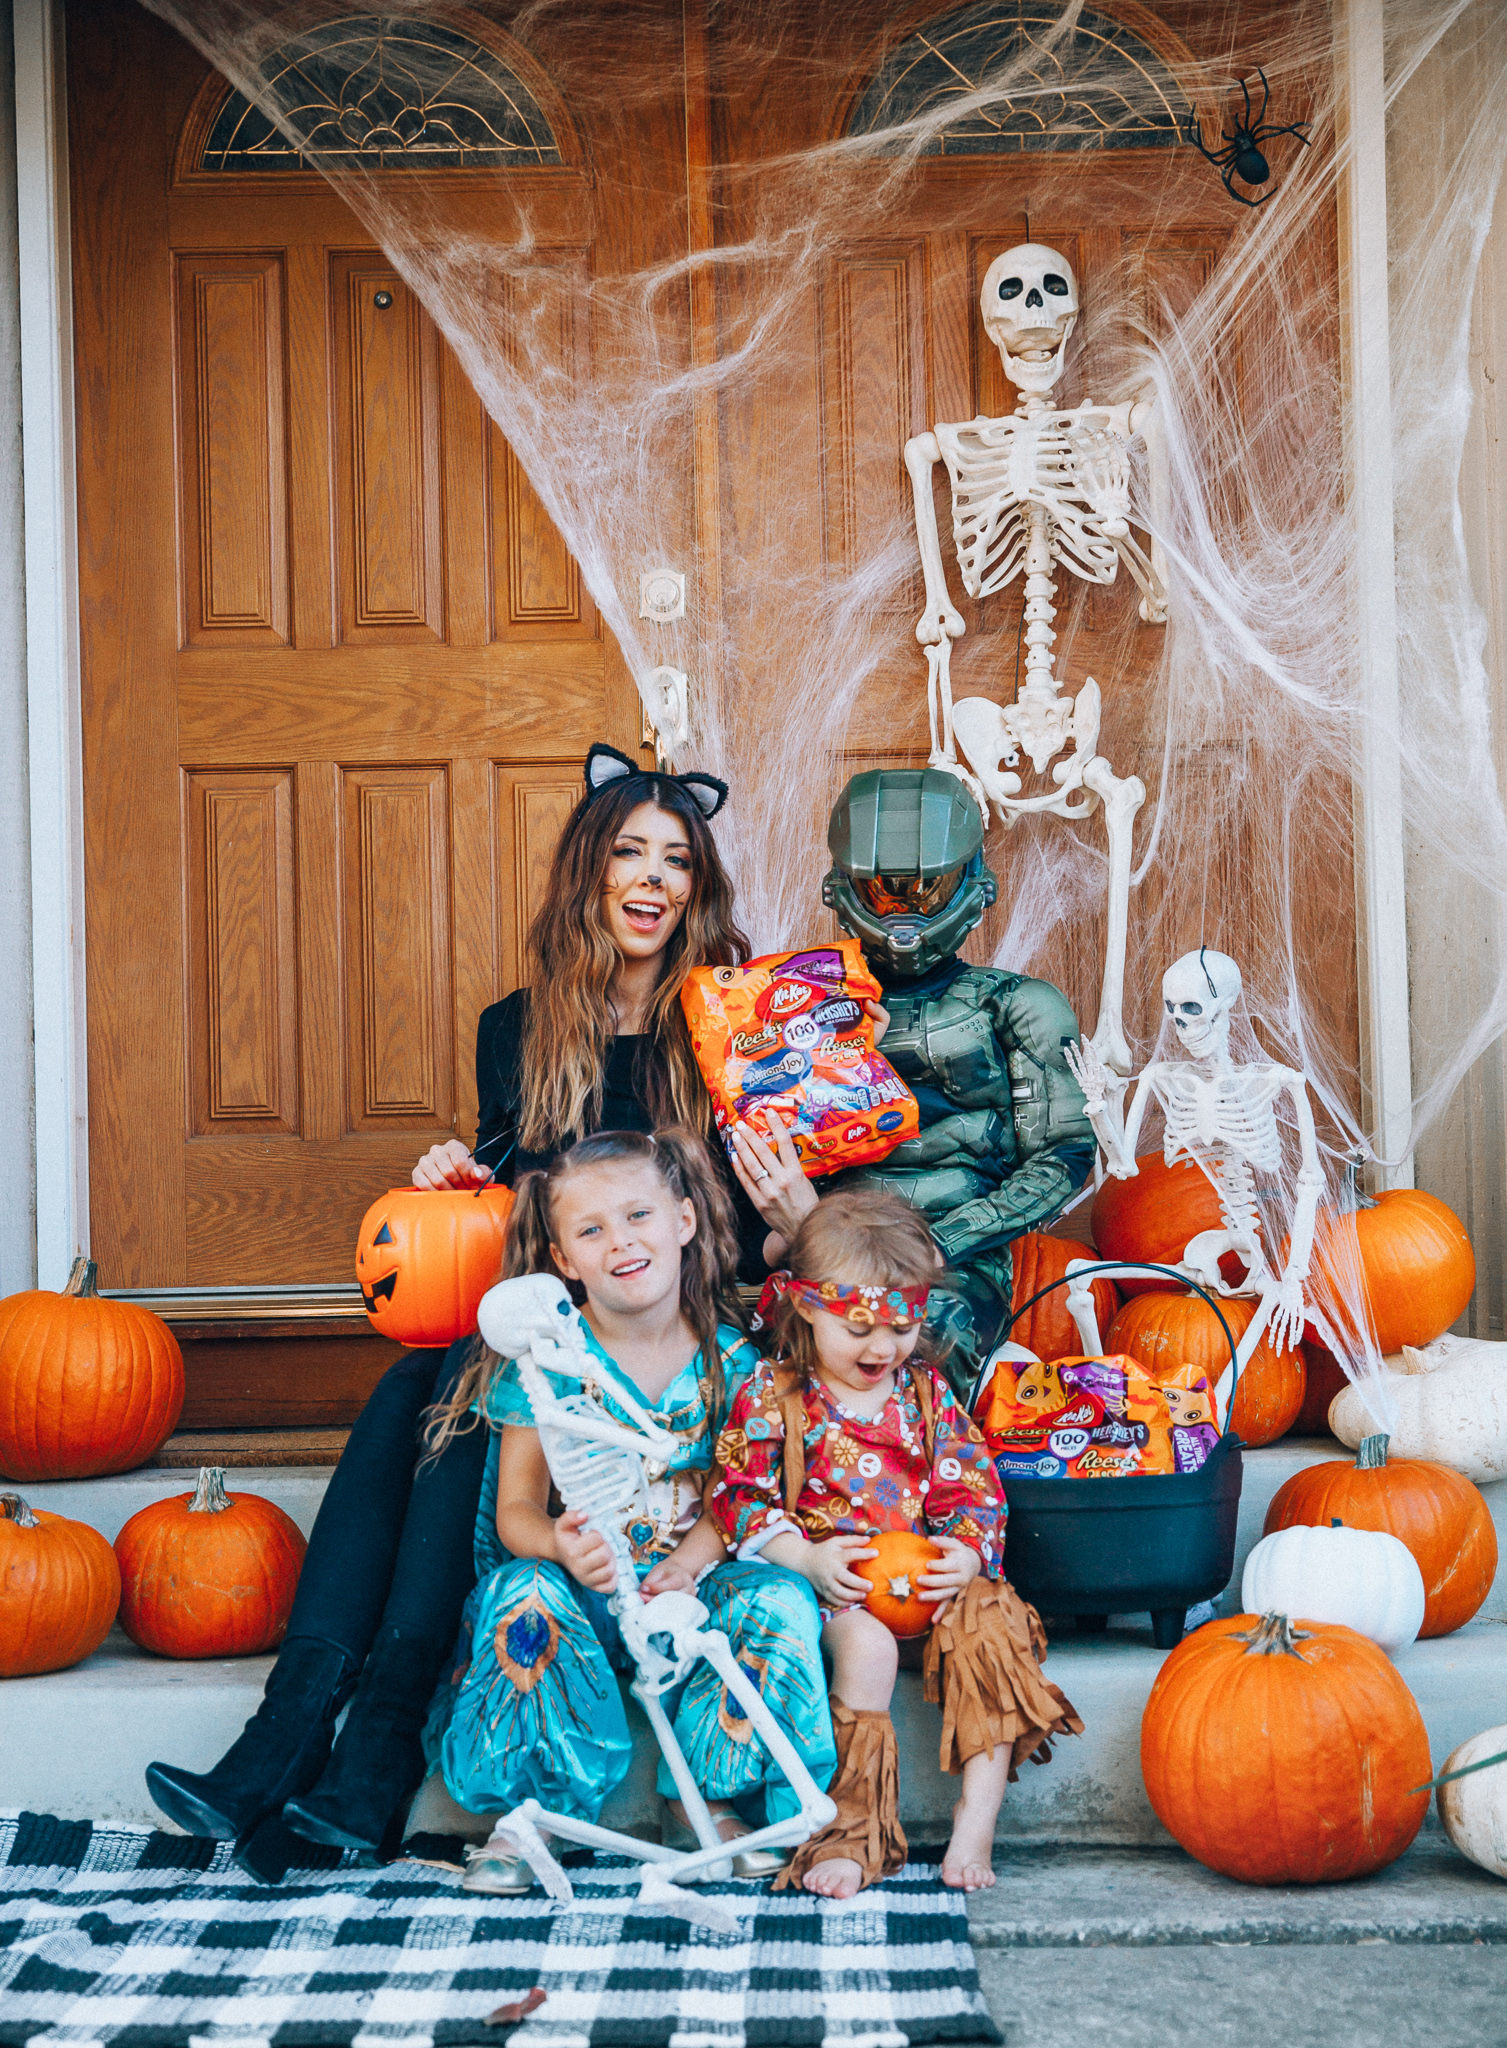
<point>983,1662</point>
<point>866,1790</point>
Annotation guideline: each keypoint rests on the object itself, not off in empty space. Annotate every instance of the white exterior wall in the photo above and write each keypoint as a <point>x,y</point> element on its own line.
<point>1456,947</point>
<point>17,1090</point>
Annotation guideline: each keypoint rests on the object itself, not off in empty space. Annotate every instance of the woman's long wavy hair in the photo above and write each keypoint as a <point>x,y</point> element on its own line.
<point>570,1014</point>
<point>708,1263</point>
<point>860,1237</point>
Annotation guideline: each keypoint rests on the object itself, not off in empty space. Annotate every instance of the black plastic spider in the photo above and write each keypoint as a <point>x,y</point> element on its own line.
<point>1241,158</point>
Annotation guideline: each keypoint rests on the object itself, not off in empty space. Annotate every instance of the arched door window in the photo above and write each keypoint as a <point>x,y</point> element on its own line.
<point>383,92</point>
<point>1094,86</point>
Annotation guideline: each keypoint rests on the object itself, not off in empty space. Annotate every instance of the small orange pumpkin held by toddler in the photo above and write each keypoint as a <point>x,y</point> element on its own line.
<point>895,1575</point>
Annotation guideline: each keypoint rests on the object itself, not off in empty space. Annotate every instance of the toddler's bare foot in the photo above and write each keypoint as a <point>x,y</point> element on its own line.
<point>836,1877</point>
<point>968,1865</point>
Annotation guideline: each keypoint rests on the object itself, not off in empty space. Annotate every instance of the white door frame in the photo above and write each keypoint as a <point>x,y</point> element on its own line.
<point>55,752</point>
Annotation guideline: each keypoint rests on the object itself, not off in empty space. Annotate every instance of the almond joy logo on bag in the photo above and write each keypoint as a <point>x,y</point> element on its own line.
<point>789,1032</point>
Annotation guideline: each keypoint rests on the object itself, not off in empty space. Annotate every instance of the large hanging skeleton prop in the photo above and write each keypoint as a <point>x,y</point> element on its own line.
<point>1029,492</point>
<point>1222,1116</point>
<point>599,1466</point>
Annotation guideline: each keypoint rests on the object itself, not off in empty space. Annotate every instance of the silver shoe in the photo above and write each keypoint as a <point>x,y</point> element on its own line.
<point>495,1872</point>
<point>675,1834</point>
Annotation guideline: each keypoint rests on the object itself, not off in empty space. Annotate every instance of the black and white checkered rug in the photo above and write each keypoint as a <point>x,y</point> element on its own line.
<point>134,1939</point>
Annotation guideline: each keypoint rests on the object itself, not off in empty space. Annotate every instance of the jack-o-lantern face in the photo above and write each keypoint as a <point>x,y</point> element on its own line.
<point>425,1257</point>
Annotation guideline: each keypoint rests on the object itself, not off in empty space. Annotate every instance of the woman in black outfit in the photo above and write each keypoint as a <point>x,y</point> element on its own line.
<point>637,896</point>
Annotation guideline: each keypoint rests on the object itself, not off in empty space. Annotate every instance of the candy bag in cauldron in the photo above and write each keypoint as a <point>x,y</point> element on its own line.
<point>789,1032</point>
<point>1077,1418</point>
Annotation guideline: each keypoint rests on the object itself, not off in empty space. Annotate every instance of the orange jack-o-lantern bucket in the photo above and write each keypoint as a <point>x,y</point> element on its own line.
<point>426,1256</point>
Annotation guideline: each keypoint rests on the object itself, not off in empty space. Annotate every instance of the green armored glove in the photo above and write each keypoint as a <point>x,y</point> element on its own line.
<point>1004,1140</point>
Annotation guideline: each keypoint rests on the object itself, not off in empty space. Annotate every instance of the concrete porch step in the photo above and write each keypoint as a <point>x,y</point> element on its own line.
<point>107,1504</point>
<point>76,1742</point>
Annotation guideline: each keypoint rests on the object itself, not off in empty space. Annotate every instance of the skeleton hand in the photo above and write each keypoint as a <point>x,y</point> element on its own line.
<point>1285,1328</point>
<point>1103,463</point>
<point>1092,1076</point>
<point>937,623</point>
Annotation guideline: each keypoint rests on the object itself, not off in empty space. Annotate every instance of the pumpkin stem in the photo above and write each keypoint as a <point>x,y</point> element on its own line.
<point>210,1497</point>
<point>1352,1195</point>
<point>1274,1637</point>
<point>83,1279</point>
<point>14,1509</point>
<point>1372,1454</point>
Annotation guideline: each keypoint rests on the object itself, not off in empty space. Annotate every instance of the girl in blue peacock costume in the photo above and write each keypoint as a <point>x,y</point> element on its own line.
<point>641,1229</point>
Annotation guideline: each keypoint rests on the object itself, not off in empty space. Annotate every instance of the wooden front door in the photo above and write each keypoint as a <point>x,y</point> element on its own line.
<point>339,677</point>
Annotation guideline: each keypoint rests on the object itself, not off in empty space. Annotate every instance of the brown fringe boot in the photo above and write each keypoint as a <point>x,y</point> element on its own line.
<point>866,1790</point>
<point>983,1664</point>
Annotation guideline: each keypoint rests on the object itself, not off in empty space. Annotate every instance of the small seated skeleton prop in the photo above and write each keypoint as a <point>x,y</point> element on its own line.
<point>1029,492</point>
<point>1222,1117</point>
<point>601,1467</point>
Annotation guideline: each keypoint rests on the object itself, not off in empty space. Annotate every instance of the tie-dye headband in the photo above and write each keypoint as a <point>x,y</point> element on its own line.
<point>860,1307</point>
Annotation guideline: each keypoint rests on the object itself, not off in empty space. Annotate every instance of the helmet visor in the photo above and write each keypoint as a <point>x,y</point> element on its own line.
<point>909,895</point>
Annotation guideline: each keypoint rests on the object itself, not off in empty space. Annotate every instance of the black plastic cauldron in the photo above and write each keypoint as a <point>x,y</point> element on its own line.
<point>1096,1547</point>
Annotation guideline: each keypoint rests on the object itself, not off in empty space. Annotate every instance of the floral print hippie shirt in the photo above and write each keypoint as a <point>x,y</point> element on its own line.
<point>863,1473</point>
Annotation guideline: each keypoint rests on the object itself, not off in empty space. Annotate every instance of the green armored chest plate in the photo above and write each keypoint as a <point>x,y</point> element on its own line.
<point>948,1040</point>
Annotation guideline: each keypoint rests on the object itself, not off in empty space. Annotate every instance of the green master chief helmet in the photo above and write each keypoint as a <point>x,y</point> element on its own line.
<point>908,878</point>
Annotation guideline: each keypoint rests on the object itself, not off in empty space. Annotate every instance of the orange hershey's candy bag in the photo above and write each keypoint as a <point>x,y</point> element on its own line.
<point>790,1032</point>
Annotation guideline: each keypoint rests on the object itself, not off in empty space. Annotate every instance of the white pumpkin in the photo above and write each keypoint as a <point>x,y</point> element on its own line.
<point>1449,1404</point>
<point>1367,1580</point>
<point>1474,1809</point>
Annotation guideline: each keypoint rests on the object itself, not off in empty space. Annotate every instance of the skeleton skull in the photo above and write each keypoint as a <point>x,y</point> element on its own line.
<point>1198,993</point>
<point>1029,300</point>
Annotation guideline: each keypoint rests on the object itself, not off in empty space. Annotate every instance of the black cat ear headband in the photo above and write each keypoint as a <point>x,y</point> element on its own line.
<point>605,766</point>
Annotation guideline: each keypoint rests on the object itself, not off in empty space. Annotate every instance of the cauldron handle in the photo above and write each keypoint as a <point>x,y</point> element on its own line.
<point>1144,1266</point>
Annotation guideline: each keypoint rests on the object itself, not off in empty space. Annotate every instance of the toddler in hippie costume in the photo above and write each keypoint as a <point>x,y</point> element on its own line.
<point>841,1434</point>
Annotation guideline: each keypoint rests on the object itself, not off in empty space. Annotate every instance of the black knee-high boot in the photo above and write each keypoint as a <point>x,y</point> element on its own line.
<point>280,1752</point>
<point>378,1760</point>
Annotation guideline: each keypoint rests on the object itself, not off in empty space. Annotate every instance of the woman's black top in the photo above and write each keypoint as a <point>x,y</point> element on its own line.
<point>625,1107</point>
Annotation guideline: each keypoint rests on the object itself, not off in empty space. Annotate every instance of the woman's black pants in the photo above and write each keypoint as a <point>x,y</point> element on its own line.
<point>392,1543</point>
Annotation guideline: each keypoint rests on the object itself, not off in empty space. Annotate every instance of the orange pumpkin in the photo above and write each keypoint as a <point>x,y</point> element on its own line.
<point>1283,1752</point>
<point>1154,1216</point>
<point>86,1386</point>
<point>208,1574</point>
<point>1409,1253</point>
<point>894,1575</point>
<point>1326,1378</point>
<point>1036,1261</point>
<point>426,1256</point>
<point>1164,1331</point>
<point>1437,1513</point>
<point>59,1589</point>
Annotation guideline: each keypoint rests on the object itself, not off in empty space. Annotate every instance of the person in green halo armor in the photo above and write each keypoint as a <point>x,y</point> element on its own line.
<point>1004,1139</point>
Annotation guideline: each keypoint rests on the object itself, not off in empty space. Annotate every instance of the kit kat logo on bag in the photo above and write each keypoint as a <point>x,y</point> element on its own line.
<point>784,999</point>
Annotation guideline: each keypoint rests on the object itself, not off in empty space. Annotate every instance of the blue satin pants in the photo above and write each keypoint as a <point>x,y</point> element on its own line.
<point>538,1707</point>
